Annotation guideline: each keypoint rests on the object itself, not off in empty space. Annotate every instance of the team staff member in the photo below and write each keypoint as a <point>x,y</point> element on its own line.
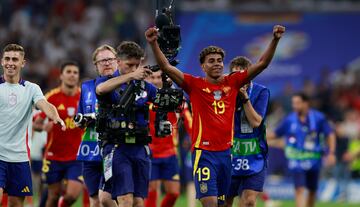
<point>59,162</point>
<point>213,100</point>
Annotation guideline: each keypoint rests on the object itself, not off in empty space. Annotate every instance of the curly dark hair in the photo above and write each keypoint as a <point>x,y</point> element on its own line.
<point>211,50</point>
<point>129,49</point>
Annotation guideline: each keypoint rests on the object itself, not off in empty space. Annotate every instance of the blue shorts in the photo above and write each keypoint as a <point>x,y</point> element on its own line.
<point>36,166</point>
<point>306,178</point>
<point>15,178</point>
<point>165,168</point>
<point>253,182</point>
<point>92,172</point>
<point>212,173</point>
<point>56,171</point>
<point>130,169</point>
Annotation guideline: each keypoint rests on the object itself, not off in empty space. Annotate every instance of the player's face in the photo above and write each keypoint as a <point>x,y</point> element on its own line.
<point>106,63</point>
<point>128,65</point>
<point>155,79</point>
<point>213,65</point>
<point>12,62</point>
<point>70,76</point>
<point>298,105</point>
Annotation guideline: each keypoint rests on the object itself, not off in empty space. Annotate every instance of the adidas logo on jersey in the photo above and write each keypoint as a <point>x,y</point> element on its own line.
<point>61,107</point>
<point>207,90</point>
<point>25,190</point>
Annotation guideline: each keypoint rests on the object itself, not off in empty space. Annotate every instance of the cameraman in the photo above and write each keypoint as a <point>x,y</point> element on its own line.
<point>164,160</point>
<point>124,136</point>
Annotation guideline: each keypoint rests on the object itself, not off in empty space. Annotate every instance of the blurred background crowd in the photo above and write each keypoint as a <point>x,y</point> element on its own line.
<point>54,30</point>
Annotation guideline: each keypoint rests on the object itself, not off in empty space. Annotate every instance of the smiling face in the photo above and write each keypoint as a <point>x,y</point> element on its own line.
<point>12,63</point>
<point>213,65</point>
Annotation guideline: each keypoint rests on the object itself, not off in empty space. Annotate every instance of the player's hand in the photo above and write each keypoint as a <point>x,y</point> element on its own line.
<point>141,73</point>
<point>278,31</point>
<point>151,35</point>
<point>60,122</point>
<point>243,93</point>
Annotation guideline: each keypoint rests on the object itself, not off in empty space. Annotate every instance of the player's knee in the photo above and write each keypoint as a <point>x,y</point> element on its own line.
<point>70,199</point>
<point>210,201</point>
<point>250,203</point>
<point>94,201</point>
<point>126,200</point>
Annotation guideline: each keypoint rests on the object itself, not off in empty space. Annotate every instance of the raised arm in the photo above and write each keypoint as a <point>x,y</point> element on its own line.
<point>267,56</point>
<point>175,74</point>
<point>113,83</point>
<point>51,112</point>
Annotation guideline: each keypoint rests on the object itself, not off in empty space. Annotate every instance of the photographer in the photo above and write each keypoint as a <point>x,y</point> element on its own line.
<point>164,160</point>
<point>123,132</point>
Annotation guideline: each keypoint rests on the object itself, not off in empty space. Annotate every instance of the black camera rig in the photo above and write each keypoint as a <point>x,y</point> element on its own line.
<point>168,99</point>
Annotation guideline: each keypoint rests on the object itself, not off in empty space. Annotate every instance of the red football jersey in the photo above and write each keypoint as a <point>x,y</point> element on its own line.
<point>162,147</point>
<point>63,145</point>
<point>213,107</point>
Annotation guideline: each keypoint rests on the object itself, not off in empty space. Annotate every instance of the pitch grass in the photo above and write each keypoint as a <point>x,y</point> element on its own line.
<point>181,202</point>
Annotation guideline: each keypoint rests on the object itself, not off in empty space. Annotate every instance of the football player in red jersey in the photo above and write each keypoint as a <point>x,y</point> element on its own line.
<point>164,160</point>
<point>213,100</point>
<point>60,162</point>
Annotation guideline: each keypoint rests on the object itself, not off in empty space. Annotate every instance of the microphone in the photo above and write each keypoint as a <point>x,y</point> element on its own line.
<point>161,21</point>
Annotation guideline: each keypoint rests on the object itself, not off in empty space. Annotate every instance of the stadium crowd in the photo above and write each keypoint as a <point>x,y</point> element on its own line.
<point>58,30</point>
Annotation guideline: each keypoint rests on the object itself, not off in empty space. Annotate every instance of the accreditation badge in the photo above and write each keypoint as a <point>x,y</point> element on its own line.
<point>108,165</point>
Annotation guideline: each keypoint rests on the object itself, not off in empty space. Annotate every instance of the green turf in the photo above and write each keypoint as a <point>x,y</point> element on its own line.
<point>181,202</point>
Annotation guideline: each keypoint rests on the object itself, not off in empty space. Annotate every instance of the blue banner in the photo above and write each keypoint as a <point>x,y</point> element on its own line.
<point>312,42</point>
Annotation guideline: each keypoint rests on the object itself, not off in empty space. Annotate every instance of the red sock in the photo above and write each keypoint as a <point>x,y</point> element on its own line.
<point>265,196</point>
<point>151,199</point>
<point>86,199</point>
<point>169,200</point>
<point>4,201</point>
<point>62,203</point>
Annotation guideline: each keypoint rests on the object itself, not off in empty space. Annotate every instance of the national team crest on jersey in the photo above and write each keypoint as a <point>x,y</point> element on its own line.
<point>71,111</point>
<point>203,187</point>
<point>217,95</point>
<point>12,99</point>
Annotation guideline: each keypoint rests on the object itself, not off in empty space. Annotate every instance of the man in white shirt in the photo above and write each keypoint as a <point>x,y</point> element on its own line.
<point>17,98</point>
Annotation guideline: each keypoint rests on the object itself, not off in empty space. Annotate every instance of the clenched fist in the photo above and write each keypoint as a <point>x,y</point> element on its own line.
<point>278,31</point>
